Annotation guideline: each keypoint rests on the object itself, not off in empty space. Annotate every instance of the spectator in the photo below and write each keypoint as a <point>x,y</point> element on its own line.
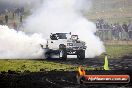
<point>21,18</point>
<point>130,30</point>
<point>114,29</point>
<point>14,25</point>
<point>1,22</point>
<point>97,24</point>
<point>120,30</point>
<point>125,27</point>
<point>22,10</point>
<point>125,32</point>
<point>111,26</point>
<point>13,15</point>
<point>6,18</point>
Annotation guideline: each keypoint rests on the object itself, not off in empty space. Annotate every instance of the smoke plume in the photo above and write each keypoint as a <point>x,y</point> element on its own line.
<point>66,16</point>
<point>18,45</point>
<point>52,16</point>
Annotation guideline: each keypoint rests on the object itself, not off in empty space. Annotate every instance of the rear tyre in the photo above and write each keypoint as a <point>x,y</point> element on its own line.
<point>47,55</point>
<point>81,54</point>
<point>63,52</point>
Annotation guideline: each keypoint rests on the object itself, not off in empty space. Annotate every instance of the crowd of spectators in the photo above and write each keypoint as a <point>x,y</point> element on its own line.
<point>115,31</point>
<point>12,17</point>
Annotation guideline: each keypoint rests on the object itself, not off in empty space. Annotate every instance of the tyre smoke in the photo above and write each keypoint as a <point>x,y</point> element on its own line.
<point>52,16</point>
<point>66,16</point>
<point>18,45</point>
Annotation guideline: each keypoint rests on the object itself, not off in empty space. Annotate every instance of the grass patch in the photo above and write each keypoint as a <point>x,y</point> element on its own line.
<point>35,66</point>
<point>32,65</point>
<point>117,51</point>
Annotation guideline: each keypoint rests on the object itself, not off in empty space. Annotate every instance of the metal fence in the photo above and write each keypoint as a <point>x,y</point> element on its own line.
<point>107,34</point>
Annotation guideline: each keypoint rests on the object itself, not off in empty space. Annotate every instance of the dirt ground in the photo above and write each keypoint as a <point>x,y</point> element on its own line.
<point>55,79</point>
<point>67,79</point>
<point>123,63</point>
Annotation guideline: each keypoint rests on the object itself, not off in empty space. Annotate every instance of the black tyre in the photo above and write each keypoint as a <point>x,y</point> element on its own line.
<point>63,52</point>
<point>47,55</point>
<point>81,54</point>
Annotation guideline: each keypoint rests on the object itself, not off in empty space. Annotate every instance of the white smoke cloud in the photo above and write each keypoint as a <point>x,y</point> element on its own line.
<point>18,45</point>
<point>65,16</point>
<point>52,16</point>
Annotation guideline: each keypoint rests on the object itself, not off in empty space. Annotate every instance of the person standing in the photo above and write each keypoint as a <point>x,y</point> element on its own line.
<point>119,29</point>
<point>13,15</point>
<point>14,25</point>
<point>125,28</point>
<point>6,18</point>
<point>21,18</point>
<point>130,30</point>
<point>1,22</point>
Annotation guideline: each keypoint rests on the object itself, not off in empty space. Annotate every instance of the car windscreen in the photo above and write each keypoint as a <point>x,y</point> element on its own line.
<point>62,35</point>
